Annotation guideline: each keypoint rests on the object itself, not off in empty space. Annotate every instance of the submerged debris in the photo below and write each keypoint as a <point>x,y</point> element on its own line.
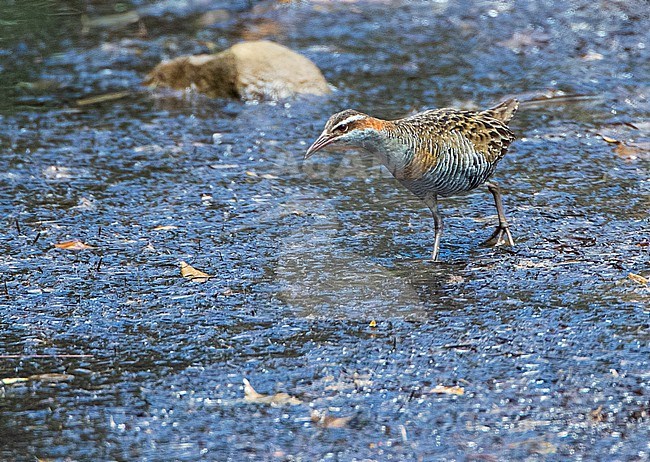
<point>322,419</point>
<point>278,399</point>
<point>441,389</point>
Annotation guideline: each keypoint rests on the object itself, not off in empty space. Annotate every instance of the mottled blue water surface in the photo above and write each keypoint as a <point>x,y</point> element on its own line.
<point>549,339</point>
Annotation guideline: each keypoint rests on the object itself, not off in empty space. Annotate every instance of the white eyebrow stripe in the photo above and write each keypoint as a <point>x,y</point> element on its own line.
<point>349,120</point>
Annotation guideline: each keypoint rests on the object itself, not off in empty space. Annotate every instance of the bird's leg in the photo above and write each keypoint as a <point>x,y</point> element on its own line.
<point>432,203</point>
<point>502,234</point>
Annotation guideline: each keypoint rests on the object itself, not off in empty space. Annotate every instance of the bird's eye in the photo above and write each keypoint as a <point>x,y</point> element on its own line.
<point>344,128</point>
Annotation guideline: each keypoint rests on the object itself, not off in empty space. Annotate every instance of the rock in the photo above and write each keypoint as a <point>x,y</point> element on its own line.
<point>249,70</point>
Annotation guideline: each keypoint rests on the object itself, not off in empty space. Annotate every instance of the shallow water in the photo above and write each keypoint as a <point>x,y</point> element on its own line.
<point>549,339</point>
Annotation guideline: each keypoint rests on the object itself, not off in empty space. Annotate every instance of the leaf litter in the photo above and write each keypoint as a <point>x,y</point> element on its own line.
<point>189,272</point>
<point>278,399</point>
<point>73,245</point>
<point>323,420</point>
<point>320,418</point>
<point>627,144</point>
<point>638,279</point>
<point>444,390</point>
<point>50,377</point>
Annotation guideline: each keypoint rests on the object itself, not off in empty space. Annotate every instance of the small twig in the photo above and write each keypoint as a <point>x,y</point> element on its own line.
<point>558,99</point>
<point>38,235</point>
<point>408,400</point>
<point>17,226</point>
<point>102,98</point>
<point>99,264</point>
<point>411,396</point>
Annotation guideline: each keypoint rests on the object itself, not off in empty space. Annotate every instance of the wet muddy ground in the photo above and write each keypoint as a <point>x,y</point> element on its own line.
<point>537,352</point>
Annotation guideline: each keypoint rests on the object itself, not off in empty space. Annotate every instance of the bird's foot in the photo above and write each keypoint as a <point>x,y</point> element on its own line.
<point>500,236</point>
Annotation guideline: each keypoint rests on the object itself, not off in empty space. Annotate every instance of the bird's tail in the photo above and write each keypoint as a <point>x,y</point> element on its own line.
<point>504,111</point>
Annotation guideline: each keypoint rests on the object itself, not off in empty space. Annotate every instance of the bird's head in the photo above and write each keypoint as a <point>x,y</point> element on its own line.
<point>348,127</point>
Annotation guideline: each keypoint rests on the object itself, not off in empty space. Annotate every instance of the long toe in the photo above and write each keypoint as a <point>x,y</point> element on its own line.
<point>500,236</point>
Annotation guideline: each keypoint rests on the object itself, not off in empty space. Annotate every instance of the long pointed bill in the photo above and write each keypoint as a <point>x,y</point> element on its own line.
<point>323,140</point>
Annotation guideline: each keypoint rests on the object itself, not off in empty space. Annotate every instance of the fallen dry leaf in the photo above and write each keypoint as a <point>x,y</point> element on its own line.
<point>609,139</point>
<point>12,380</point>
<point>73,245</point>
<point>279,399</point>
<point>638,278</point>
<point>52,377</point>
<point>192,273</point>
<point>222,166</point>
<point>598,415</point>
<point>441,389</point>
<point>628,150</point>
<point>373,324</point>
<point>633,151</point>
<point>592,56</point>
<point>326,421</point>
<point>165,228</point>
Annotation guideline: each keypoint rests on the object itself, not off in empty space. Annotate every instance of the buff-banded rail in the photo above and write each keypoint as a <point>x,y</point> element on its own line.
<point>435,153</point>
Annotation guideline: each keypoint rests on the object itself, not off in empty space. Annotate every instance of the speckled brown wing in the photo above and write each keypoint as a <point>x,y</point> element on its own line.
<point>452,151</point>
<point>489,136</point>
